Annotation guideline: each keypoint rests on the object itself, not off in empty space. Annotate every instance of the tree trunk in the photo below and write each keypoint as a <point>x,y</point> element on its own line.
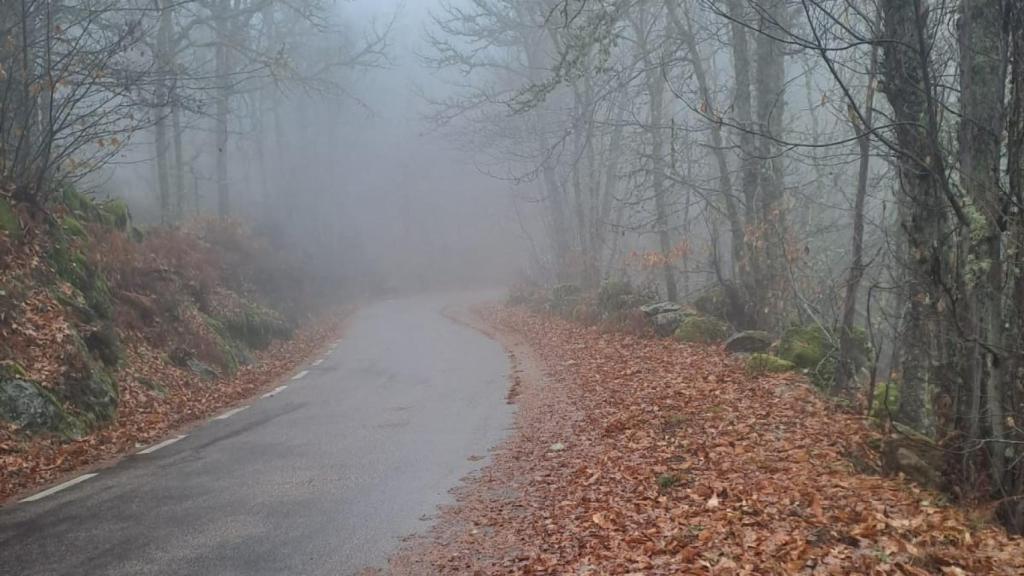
<point>983,46</point>
<point>771,100</point>
<point>920,206</point>
<point>845,377</point>
<point>1013,516</point>
<point>749,267</point>
<point>223,95</point>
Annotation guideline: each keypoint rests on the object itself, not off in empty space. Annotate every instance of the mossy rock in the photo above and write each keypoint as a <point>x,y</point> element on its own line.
<point>256,326</point>
<point>810,348</point>
<point>805,346</point>
<point>759,364</point>
<point>703,329</point>
<point>8,219</point>
<point>71,265</point>
<point>35,410</point>
<point>105,343</point>
<point>87,387</point>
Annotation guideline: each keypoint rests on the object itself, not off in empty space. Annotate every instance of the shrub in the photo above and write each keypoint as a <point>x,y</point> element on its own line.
<point>564,298</point>
<point>615,296</point>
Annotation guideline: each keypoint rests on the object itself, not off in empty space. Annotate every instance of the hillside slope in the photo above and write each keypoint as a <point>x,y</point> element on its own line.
<point>111,335</point>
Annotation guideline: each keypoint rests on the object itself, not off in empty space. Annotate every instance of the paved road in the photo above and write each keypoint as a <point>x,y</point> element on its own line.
<point>323,478</point>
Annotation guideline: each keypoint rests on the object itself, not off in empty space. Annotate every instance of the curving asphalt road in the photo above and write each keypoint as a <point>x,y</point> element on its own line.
<point>323,477</point>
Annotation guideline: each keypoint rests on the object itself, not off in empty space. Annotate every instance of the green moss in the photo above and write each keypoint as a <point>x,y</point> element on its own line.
<point>810,348</point>
<point>71,265</point>
<point>256,326</point>
<point>76,201</point>
<point>666,481</point>
<point>8,219</point>
<point>702,329</point>
<point>86,387</point>
<point>804,346</point>
<point>759,364</point>
<point>886,400</point>
<point>72,227</point>
<point>35,410</point>
<point>115,214</point>
<point>10,369</point>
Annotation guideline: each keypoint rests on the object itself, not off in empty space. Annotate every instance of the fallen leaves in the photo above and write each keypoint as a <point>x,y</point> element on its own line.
<point>156,398</point>
<point>760,477</point>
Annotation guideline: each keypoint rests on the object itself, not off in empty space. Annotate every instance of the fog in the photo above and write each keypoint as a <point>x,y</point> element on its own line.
<point>848,170</point>
<point>355,178</point>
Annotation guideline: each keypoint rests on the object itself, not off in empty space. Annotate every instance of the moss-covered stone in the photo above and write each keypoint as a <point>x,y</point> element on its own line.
<point>33,409</point>
<point>702,329</point>
<point>257,326</point>
<point>71,265</point>
<point>759,364</point>
<point>804,346</point>
<point>87,387</point>
<point>104,343</point>
<point>811,349</point>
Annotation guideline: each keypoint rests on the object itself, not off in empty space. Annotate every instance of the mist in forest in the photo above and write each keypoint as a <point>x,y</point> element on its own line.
<point>852,168</point>
<point>355,178</point>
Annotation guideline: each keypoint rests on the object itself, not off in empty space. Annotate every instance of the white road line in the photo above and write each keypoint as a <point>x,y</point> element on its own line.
<point>163,444</point>
<point>318,362</point>
<point>300,375</point>
<point>58,488</point>
<point>274,392</point>
<point>231,413</point>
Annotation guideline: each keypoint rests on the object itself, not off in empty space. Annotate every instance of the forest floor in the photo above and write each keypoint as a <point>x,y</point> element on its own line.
<point>641,456</point>
<point>148,413</point>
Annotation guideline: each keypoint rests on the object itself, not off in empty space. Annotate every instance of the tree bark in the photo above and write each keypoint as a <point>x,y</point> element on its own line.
<point>845,377</point>
<point>983,46</point>
<point>920,206</point>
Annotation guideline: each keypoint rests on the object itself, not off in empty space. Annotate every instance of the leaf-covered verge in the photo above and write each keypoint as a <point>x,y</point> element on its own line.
<point>111,336</point>
<point>672,459</point>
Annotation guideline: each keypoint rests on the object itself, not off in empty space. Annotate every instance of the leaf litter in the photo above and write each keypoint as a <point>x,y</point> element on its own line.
<point>678,462</point>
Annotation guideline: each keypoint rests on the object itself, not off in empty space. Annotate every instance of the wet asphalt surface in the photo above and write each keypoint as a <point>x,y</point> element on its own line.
<point>325,477</point>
